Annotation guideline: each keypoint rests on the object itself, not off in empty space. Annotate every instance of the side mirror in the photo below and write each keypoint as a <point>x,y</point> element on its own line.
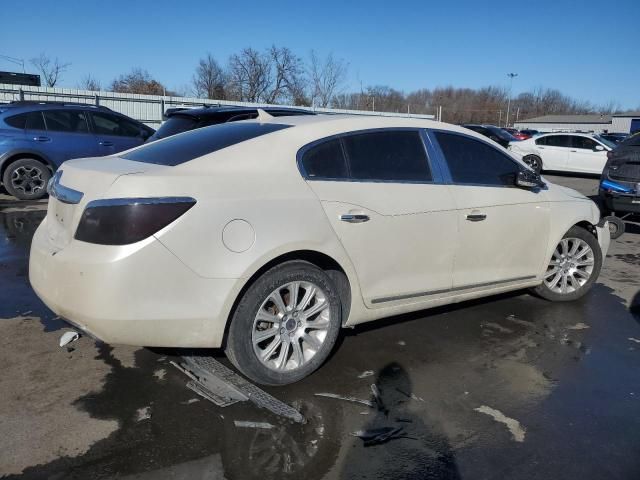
<point>143,134</point>
<point>598,148</point>
<point>529,180</point>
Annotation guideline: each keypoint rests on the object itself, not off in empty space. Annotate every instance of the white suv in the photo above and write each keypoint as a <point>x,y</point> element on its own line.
<point>568,152</point>
<point>266,237</point>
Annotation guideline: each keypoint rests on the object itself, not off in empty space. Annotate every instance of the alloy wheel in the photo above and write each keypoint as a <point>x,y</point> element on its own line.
<point>291,326</point>
<point>570,267</point>
<point>28,179</point>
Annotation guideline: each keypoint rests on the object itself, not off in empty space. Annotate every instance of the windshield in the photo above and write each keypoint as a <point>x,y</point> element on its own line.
<point>504,135</point>
<point>175,124</point>
<point>603,140</point>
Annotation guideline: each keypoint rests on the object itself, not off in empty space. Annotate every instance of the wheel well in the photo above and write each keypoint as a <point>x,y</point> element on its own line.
<point>18,156</point>
<point>320,260</point>
<point>588,227</point>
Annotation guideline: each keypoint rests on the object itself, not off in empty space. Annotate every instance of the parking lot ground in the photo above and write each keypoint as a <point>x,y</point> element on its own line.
<point>508,387</point>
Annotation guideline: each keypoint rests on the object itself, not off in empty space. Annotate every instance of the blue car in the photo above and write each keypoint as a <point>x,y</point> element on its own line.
<point>36,137</point>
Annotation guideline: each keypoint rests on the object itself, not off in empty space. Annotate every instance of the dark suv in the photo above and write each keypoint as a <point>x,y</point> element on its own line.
<point>36,137</point>
<point>182,119</point>
<point>620,181</point>
<point>496,134</point>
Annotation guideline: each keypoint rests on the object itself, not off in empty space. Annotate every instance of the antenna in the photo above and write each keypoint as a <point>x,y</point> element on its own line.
<point>264,116</point>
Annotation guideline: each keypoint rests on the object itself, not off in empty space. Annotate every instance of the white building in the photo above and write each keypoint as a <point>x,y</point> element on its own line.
<point>618,123</point>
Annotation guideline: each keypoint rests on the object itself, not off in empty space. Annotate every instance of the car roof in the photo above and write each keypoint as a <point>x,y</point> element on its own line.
<point>216,110</point>
<point>29,106</point>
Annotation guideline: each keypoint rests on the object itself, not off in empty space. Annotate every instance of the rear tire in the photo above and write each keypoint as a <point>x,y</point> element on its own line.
<point>26,179</point>
<point>534,162</point>
<point>573,268</point>
<point>285,325</point>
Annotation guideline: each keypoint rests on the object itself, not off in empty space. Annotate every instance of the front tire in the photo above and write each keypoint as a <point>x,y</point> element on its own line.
<point>26,179</point>
<point>573,268</point>
<point>285,325</point>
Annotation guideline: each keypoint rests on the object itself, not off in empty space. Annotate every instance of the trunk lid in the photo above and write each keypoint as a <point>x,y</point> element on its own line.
<point>76,183</point>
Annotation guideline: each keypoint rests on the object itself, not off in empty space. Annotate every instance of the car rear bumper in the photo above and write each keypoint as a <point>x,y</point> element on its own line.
<point>140,294</point>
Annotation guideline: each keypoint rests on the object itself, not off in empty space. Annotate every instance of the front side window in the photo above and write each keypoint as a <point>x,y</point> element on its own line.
<point>583,143</point>
<point>107,124</point>
<point>387,156</point>
<point>325,160</point>
<point>70,121</point>
<point>473,162</point>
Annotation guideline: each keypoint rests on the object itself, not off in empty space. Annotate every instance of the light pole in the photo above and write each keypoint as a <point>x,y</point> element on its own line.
<point>17,61</point>
<point>511,77</point>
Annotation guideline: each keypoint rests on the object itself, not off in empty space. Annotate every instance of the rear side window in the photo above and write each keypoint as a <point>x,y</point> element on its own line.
<point>108,124</point>
<point>387,156</point>
<point>473,162</point>
<point>555,141</point>
<point>72,121</point>
<point>202,141</point>
<point>29,121</point>
<point>325,160</point>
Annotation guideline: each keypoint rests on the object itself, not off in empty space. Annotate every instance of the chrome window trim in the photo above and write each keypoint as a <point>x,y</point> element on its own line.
<point>64,194</point>
<point>436,177</point>
<point>114,202</point>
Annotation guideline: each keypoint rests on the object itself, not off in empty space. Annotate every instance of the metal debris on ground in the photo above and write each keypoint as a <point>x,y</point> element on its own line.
<point>634,339</point>
<point>143,413</point>
<point>245,424</point>
<point>68,337</point>
<point>578,326</point>
<point>378,436</point>
<point>212,380</point>
<point>346,399</point>
<point>410,395</point>
<point>365,374</point>
<point>378,399</point>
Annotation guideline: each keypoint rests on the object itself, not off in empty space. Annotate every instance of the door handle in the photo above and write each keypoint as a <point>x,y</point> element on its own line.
<point>106,144</point>
<point>476,217</point>
<point>354,218</point>
<point>573,151</point>
<point>42,139</point>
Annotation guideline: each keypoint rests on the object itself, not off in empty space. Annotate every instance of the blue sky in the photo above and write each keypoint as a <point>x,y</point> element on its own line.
<point>587,49</point>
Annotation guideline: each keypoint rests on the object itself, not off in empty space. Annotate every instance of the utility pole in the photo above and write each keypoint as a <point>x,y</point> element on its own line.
<point>511,77</point>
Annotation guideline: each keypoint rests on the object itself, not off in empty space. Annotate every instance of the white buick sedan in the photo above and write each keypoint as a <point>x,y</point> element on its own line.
<point>564,152</point>
<point>266,237</point>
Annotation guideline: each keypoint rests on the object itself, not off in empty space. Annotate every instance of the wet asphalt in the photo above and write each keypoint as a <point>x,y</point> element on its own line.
<point>509,386</point>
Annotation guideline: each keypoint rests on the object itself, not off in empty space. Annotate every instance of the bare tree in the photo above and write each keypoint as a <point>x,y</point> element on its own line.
<point>286,76</point>
<point>51,70</point>
<point>139,81</point>
<point>90,83</point>
<point>327,78</point>
<point>209,79</point>
<point>249,75</point>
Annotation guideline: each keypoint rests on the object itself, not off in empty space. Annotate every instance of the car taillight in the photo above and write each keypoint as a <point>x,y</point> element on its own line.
<point>128,220</point>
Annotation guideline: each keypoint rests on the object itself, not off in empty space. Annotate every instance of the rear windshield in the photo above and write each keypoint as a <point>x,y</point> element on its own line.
<point>175,124</point>
<point>196,143</point>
